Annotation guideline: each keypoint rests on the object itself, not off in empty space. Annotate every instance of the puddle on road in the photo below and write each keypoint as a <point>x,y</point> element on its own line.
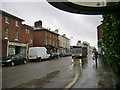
<point>82,62</point>
<point>39,82</point>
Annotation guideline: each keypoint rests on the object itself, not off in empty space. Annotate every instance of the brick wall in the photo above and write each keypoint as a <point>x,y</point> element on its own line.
<point>99,32</point>
<point>40,38</point>
<point>11,28</point>
<point>27,36</point>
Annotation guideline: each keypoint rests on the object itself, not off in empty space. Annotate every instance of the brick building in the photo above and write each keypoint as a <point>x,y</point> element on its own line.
<point>16,37</point>
<point>45,38</point>
<point>99,36</point>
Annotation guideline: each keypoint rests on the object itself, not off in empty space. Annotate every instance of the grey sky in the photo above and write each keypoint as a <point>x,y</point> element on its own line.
<point>80,27</point>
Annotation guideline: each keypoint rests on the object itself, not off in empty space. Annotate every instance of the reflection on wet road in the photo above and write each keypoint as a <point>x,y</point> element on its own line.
<point>24,74</point>
<point>87,77</point>
<point>64,72</point>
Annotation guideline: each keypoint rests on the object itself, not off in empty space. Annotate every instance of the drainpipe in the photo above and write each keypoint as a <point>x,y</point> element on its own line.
<point>7,47</point>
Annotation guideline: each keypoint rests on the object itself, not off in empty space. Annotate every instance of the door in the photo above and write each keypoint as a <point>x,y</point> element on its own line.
<point>17,49</point>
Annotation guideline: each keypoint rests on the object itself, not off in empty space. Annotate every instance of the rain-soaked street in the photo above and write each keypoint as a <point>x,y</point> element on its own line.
<point>64,72</point>
<point>46,71</point>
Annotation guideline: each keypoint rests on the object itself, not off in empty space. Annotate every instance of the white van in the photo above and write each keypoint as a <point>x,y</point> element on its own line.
<point>38,53</point>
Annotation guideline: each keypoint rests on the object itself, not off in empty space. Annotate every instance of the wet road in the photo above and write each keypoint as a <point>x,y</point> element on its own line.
<point>59,73</point>
<point>22,74</point>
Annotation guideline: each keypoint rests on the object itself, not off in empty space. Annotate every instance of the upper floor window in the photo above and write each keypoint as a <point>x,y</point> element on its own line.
<point>27,31</point>
<point>6,33</point>
<point>16,35</point>
<point>46,34</point>
<point>16,23</point>
<point>50,34</point>
<point>46,41</point>
<point>53,36</point>
<point>50,42</point>
<point>6,20</point>
<point>53,43</point>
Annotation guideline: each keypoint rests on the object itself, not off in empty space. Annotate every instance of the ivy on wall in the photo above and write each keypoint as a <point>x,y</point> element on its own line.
<point>111,40</point>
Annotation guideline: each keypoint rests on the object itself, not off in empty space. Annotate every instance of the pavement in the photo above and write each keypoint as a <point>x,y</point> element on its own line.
<point>92,76</point>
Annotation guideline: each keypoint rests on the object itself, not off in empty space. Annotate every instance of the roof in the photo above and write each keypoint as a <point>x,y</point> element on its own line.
<point>42,28</point>
<point>10,15</point>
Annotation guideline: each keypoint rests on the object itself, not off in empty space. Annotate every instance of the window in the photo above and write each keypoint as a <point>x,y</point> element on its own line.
<point>53,43</point>
<point>6,20</point>
<point>50,34</point>
<point>53,36</point>
<point>31,41</point>
<point>46,34</point>
<point>27,31</point>
<point>50,42</point>
<point>56,44</point>
<point>16,23</point>
<point>6,33</point>
<point>16,35</point>
<point>46,41</point>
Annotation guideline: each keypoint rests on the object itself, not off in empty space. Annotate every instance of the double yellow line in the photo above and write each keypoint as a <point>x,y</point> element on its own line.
<point>75,78</point>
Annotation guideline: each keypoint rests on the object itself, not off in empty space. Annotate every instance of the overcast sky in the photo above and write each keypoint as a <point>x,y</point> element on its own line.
<point>79,26</point>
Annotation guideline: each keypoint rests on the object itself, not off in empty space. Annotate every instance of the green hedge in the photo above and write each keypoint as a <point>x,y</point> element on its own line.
<point>111,40</point>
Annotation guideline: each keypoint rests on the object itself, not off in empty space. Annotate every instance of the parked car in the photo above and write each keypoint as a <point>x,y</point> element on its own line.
<point>14,60</point>
<point>38,54</point>
<point>54,55</point>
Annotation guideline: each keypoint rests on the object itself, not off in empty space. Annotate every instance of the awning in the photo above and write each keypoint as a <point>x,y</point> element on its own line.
<point>50,46</point>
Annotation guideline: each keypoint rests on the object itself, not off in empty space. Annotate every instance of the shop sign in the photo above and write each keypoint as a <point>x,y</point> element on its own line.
<point>17,44</point>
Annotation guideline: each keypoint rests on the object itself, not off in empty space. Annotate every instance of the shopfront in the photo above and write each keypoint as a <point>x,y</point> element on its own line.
<point>16,48</point>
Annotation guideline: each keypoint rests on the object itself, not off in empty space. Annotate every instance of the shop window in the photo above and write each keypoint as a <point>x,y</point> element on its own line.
<point>16,35</point>
<point>6,33</point>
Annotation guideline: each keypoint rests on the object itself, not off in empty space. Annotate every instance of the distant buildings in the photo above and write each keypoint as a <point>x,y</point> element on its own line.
<point>17,37</point>
<point>64,44</point>
<point>45,38</point>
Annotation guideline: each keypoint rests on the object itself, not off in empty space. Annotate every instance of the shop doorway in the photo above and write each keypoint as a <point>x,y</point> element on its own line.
<point>17,49</point>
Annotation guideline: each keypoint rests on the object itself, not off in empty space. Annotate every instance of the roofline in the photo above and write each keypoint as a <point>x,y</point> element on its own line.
<point>8,14</point>
<point>46,30</point>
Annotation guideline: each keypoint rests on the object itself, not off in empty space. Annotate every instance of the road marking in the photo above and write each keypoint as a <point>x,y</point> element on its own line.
<point>26,83</point>
<point>75,78</point>
<point>30,81</point>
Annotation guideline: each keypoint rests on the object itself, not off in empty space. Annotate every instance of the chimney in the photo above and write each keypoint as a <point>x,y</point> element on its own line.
<point>79,41</point>
<point>56,31</point>
<point>64,35</point>
<point>38,23</point>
